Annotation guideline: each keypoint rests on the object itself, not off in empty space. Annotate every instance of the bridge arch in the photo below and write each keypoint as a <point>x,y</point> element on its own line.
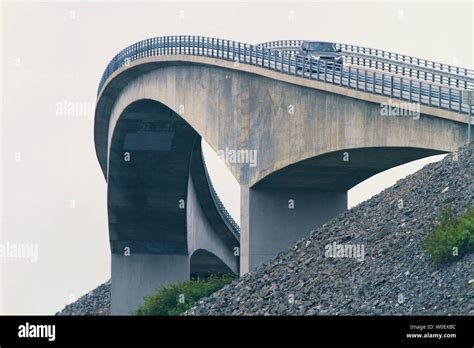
<point>239,97</point>
<point>245,110</point>
<point>156,218</point>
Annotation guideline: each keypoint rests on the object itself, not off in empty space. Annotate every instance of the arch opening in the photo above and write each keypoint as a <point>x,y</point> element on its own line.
<point>343,169</point>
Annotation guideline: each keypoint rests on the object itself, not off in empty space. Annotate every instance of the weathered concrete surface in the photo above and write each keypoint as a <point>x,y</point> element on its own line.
<point>149,169</point>
<point>239,110</point>
<point>277,218</point>
<point>138,275</point>
<point>201,234</point>
<point>224,230</point>
<point>155,215</point>
<point>299,128</point>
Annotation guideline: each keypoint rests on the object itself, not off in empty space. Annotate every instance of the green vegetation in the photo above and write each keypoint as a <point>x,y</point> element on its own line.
<point>178,298</point>
<point>452,238</point>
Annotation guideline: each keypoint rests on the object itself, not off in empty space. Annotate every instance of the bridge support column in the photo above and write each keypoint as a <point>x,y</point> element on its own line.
<point>273,219</point>
<point>138,275</point>
<point>202,235</point>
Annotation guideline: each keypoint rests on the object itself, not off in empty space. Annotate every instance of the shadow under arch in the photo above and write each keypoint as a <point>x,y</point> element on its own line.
<point>343,169</point>
<point>147,179</point>
<point>204,264</point>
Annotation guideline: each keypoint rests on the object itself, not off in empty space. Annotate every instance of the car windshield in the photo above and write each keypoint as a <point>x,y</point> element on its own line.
<point>322,47</point>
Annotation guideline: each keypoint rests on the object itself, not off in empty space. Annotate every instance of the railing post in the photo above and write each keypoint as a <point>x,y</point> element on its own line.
<point>449,99</point>
<point>365,80</point>
<point>429,94</point>
<point>401,88</point>
<point>233,50</point>
<point>357,79</point>
<point>349,78</point>
<point>383,84</point>
<point>420,93</point>
<point>341,74</point>
<point>411,91</point>
<point>391,86</point>
<point>460,102</point>
<point>317,69</point>
<point>281,66</point>
<point>441,75</point>
<point>238,53</point>
<point>373,82</point>
<point>439,97</point>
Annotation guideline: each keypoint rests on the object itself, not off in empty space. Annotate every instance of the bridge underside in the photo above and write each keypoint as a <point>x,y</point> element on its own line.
<point>341,170</point>
<point>155,218</point>
<point>286,205</point>
<point>307,159</point>
<point>148,172</point>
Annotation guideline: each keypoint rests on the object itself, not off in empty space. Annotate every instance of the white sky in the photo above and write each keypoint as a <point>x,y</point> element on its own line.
<point>53,193</point>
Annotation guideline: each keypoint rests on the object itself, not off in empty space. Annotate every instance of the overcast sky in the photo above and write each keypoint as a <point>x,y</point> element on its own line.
<point>53,194</point>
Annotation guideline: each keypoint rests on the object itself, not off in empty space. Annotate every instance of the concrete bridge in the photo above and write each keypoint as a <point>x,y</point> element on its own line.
<point>316,130</point>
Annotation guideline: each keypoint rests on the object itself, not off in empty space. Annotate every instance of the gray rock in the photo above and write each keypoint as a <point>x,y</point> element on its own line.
<point>396,277</point>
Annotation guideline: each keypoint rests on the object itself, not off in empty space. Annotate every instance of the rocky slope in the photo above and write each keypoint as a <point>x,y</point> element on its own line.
<point>96,302</point>
<point>395,277</point>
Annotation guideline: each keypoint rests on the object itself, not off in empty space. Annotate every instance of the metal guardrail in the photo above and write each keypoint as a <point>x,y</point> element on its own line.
<point>225,215</point>
<point>375,81</point>
<point>393,63</point>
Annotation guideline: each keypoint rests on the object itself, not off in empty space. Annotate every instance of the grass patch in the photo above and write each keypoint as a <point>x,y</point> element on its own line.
<point>177,298</point>
<point>452,238</point>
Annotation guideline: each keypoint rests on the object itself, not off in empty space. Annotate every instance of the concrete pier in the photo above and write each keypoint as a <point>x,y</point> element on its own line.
<point>275,219</point>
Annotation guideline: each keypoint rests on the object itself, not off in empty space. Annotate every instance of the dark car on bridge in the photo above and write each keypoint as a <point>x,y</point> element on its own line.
<point>319,50</point>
